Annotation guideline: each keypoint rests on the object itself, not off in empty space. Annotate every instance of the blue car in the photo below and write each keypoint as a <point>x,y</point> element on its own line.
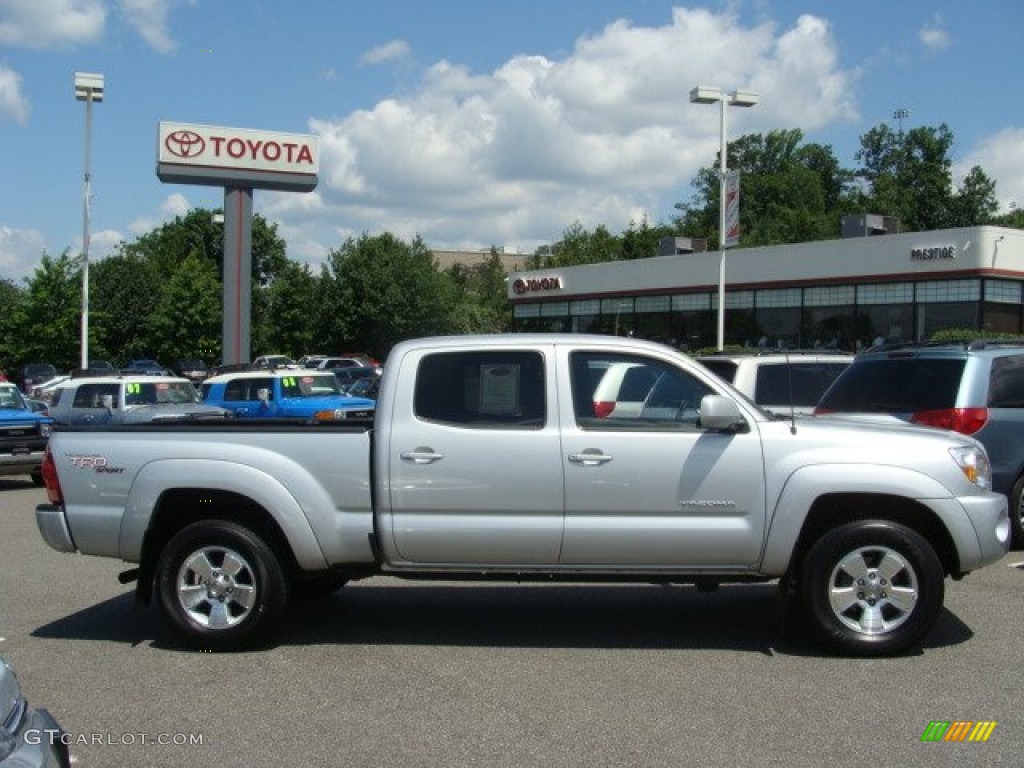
<point>285,393</point>
<point>23,435</point>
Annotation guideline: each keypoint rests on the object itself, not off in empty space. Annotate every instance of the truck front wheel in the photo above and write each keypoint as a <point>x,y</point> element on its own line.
<point>872,587</point>
<point>220,585</point>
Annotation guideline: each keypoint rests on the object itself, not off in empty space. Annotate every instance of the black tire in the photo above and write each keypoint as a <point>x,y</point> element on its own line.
<point>872,588</point>
<point>37,479</point>
<point>1017,514</point>
<point>220,585</point>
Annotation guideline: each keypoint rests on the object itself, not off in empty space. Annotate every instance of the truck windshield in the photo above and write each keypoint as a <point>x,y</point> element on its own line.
<point>10,397</point>
<point>310,385</point>
<point>160,392</point>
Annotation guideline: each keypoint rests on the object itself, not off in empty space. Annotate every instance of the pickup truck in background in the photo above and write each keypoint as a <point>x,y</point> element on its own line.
<point>487,460</point>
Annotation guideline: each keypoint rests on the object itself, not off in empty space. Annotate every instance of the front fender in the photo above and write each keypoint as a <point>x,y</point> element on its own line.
<point>807,484</point>
<point>157,477</point>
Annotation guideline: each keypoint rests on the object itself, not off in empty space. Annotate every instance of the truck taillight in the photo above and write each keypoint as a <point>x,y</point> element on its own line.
<point>50,479</point>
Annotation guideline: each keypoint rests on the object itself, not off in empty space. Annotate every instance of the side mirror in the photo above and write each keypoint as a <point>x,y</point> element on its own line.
<point>721,414</point>
<point>263,395</point>
<point>108,402</point>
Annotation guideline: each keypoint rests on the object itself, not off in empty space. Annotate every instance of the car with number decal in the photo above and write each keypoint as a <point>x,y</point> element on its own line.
<point>85,400</point>
<point>284,393</point>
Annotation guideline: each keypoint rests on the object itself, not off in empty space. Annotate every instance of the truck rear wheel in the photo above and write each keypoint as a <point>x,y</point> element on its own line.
<point>220,585</point>
<point>872,587</point>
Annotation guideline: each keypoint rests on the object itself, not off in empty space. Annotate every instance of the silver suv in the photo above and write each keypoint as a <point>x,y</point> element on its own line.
<point>975,388</point>
<point>780,381</point>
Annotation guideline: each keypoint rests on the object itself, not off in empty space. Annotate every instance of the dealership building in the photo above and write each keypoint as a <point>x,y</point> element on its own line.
<point>845,293</point>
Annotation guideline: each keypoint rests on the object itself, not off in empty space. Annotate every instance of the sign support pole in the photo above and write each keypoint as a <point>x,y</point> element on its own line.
<point>237,279</point>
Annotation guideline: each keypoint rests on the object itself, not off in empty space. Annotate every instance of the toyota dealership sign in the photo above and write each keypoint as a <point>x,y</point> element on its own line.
<point>208,154</point>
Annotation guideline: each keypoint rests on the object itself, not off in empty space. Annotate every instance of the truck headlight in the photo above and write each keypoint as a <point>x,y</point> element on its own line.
<point>45,429</point>
<point>974,463</point>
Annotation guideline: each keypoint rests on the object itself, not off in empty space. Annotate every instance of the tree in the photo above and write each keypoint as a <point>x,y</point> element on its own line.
<point>910,176</point>
<point>377,290</point>
<point>789,193</point>
<point>287,324</point>
<point>11,297</point>
<point>126,288</point>
<point>578,246</point>
<point>186,321</point>
<point>46,325</point>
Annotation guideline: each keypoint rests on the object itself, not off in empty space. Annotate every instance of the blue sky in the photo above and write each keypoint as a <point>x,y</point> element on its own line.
<point>473,123</point>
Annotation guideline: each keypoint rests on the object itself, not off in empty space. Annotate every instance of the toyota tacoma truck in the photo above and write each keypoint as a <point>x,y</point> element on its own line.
<point>487,459</point>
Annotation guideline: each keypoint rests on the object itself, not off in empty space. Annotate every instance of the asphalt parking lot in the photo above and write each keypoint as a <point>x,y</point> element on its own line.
<point>439,674</point>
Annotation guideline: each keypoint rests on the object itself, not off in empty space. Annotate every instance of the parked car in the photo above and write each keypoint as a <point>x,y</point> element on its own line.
<point>44,390</point>
<point>128,399</point>
<point>24,431</point>
<point>347,377</point>
<point>284,393</point>
<point>29,738</point>
<point>975,388</point>
<point>782,382</point>
<point>274,361</point>
<point>330,363</point>
<point>623,389</point>
<point>195,371</point>
<point>35,373</point>
<point>151,367</point>
<point>368,387</point>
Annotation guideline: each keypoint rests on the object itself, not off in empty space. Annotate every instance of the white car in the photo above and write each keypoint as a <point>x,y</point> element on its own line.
<point>93,400</point>
<point>782,382</point>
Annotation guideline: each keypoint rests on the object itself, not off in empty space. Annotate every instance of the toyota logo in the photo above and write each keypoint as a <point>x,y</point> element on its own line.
<point>185,144</point>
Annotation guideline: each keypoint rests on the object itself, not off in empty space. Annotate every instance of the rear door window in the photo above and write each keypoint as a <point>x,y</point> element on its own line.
<point>805,381</point>
<point>1006,382</point>
<point>498,389</point>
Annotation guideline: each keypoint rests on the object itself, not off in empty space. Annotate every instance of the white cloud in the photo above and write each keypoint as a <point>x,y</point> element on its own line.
<point>600,136</point>
<point>175,204</point>
<point>12,102</point>
<point>149,19</point>
<point>396,49</point>
<point>44,24</point>
<point>934,35</point>
<point>1001,156</point>
<point>20,251</point>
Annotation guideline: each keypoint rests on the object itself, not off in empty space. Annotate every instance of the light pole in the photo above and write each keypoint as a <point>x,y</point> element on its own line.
<point>88,88</point>
<point>703,94</point>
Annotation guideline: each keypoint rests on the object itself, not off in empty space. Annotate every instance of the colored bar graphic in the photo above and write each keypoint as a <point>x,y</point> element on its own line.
<point>958,730</point>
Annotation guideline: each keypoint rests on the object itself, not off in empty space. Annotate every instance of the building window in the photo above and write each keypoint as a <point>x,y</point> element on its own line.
<point>1002,291</point>
<point>691,301</point>
<point>829,296</point>
<point>653,304</point>
<point>781,297</point>
<point>892,293</point>
<point>948,290</point>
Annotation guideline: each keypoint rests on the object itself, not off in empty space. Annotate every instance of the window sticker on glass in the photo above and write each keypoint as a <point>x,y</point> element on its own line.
<point>499,389</point>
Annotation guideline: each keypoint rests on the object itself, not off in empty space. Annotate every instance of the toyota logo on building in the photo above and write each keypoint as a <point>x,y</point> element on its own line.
<point>185,144</point>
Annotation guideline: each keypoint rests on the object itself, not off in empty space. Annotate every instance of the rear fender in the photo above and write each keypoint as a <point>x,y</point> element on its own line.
<point>158,477</point>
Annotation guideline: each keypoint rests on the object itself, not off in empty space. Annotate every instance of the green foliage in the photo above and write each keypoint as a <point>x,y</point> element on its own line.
<point>966,334</point>
<point>377,290</point>
<point>186,320</point>
<point>46,323</point>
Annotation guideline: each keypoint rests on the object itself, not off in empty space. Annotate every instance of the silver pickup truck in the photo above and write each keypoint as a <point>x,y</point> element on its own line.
<point>489,459</point>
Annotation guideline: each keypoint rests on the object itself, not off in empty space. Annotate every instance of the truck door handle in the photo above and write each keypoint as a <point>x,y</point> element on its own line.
<point>421,455</point>
<point>590,457</point>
